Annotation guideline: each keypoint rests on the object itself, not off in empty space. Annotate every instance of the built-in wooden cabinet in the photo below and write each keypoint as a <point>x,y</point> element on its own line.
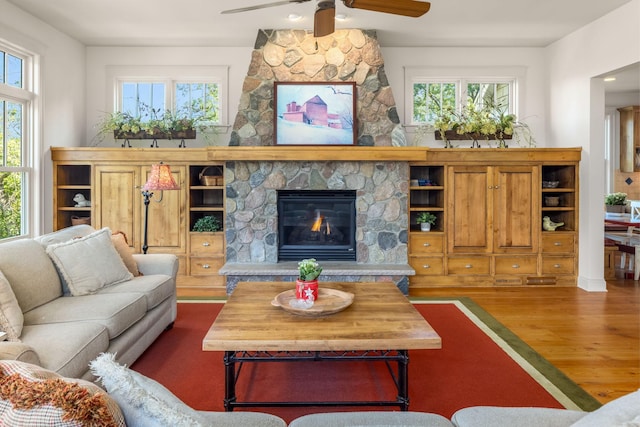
<point>491,230</point>
<point>629,138</point>
<point>112,180</point>
<point>489,206</point>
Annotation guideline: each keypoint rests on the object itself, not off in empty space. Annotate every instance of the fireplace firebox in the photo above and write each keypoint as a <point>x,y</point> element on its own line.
<point>317,224</point>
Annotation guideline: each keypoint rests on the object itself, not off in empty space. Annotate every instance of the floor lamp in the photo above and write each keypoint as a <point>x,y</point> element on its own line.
<point>159,179</point>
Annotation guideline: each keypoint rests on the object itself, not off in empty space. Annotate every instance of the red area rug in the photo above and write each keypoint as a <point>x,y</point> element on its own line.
<point>470,369</point>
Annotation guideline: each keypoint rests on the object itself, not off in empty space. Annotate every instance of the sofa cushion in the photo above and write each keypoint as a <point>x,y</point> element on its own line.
<point>372,419</point>
<point>117,312</point>
<point>89,263</point>
<point>495,416</point>
<point>621,412</point>
<point>67,348</point>
<point>31,395</point>
<point>119,240</point>
<point>11,318</point>
<point>33,277</point>
<point>143,401</point>
<point>155,288</point>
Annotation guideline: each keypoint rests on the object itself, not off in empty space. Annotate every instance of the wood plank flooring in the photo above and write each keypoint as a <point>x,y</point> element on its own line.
<point>593,337</point>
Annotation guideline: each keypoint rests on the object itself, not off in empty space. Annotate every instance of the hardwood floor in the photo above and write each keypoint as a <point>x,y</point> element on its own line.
<point>593,337</point>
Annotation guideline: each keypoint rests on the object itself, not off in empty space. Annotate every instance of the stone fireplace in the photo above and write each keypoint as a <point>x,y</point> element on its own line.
<point>380,187</point>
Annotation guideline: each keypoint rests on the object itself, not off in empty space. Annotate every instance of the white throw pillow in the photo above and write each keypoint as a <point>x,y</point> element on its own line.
<point>11,318</point>
<point>143,401</point>
<point>89,263</point>
<point>621,412</point>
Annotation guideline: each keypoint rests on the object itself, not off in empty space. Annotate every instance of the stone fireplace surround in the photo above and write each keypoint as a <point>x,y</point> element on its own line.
<point>381,218</point>
<point>381,183</point>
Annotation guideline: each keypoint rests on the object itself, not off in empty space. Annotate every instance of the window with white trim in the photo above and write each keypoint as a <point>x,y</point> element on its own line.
<point>16,113</point>
<point>428,91</point>
<point>201,95</point>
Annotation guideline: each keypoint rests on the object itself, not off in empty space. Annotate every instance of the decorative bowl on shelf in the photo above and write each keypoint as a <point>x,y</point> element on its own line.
<point>552,201</point>
<point>550,184</point>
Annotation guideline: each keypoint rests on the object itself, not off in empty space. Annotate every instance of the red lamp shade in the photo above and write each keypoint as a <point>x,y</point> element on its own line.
<point>160,179</point>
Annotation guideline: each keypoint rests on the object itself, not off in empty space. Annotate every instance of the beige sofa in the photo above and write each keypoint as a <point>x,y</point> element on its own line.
<point>60,312</point>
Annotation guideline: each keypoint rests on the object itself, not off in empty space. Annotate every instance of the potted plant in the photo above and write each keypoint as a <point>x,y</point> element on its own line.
<point>207,223</point>
<point>489,122</point>
<point>615,202</point>
<point>307,281</point>
<point>426,220</point>
<point>153,124</point>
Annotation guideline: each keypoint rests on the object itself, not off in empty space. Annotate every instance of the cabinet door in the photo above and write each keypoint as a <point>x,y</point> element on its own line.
<point>515,209</point>
<point>167,215</point>
<point>468,224</point>
<point>117,201</point>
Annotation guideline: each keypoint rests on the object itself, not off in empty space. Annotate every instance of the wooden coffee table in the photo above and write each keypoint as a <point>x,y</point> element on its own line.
<point>380,325</point>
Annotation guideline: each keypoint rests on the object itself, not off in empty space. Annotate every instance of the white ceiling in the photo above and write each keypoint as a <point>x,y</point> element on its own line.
<point>468,23</point>
<point>199,22</point>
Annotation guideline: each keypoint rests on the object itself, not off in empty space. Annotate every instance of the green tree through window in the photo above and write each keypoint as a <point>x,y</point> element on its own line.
<point>12,163</point>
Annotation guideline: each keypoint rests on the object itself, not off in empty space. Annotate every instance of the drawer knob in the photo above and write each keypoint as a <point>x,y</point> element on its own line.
<point>205,266</point>
<point>516,266</point>
<point>426,266</point>
<point>558,244</point>
<point>205,244</point>
<point>468,266</point>
<point>426,245</point>
<point>556,266</point>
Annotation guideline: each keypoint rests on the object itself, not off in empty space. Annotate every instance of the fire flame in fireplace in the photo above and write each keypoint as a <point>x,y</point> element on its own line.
<point>317,224</point>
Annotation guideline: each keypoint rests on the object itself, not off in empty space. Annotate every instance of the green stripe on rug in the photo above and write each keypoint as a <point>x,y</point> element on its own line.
<point>572,391</point>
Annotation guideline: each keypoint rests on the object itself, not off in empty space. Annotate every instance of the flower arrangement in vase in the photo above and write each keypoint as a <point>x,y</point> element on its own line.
<point>615,202</point>
<point>307,281</point>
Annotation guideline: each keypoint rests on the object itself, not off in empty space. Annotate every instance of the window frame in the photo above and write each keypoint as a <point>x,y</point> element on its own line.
<point>462,77</point>
<point>27,95</point>
<point>170,75</point>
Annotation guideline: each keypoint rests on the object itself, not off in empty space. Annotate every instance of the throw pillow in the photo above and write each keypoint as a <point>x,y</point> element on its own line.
<point>621,412</point>
<point>144,402</point>
<point>11,319</point>
<point>31,395</point>
<point>89,263</point>
<point>119,240</point>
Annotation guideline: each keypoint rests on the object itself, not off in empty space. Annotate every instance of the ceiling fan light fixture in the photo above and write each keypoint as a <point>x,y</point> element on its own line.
<point>341,17</point>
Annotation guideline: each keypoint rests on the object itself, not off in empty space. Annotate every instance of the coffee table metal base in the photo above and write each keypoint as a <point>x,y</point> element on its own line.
<point>234,360</point>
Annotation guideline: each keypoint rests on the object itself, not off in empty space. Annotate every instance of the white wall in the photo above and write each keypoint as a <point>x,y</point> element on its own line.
<point>531,59</point>
<point>533,102</point>
<point>99,99</point>
<point>62,95</point>
<point>576,112</point>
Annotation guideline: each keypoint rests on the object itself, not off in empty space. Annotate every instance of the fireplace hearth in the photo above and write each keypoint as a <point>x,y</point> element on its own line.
<point>316,224</point>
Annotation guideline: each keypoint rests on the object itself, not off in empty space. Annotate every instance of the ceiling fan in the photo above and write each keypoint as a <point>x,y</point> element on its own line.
<point>324,23</point>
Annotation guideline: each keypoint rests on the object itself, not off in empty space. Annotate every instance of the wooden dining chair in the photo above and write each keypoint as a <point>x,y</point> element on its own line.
<point>633,251</point>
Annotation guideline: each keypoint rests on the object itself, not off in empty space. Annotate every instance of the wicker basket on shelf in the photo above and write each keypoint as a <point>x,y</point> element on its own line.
<point>209,180</point>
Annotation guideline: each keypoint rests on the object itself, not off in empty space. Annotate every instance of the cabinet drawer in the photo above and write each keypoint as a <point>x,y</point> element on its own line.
<point>207,243</point>
<point>425,243</point>
<point>429,266</point>
<point>516,265</point>
<point>558,265</point>
<point>558,243</point>
<point>468,265</point>
<point>202,266</point>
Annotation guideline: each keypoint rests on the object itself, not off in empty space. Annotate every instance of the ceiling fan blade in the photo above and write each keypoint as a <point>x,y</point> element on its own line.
<point>324,18</point>
<point>397,7</point>
<point>262,6</point>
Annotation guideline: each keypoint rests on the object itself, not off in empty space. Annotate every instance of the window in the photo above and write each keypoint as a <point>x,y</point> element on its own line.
<point>15,170</point>
<point>430,90</point>
<point>196,97</point>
